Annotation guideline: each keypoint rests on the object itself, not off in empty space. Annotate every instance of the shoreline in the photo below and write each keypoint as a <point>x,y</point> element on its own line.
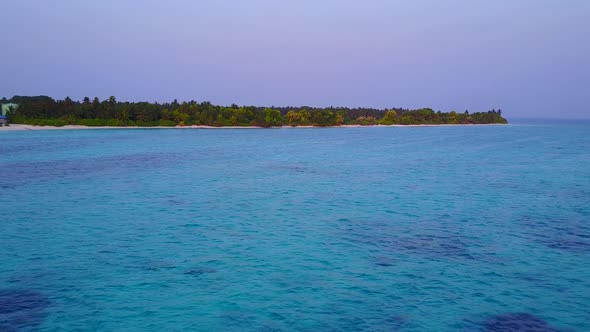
<point>23,127</point>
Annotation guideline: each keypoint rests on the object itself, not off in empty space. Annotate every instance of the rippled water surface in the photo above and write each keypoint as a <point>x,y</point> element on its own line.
<point>481,228</point>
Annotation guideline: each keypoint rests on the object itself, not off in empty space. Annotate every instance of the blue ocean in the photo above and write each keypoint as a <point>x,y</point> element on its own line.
<point>468,228</point>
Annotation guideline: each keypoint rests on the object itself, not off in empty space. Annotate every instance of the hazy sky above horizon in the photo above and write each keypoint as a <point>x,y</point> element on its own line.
<point>531,58</point>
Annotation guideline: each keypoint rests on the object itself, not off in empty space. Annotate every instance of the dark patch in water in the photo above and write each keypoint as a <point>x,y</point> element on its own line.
<point>571,243</point>
<point>440,241</point>
<point>397,322</point>
<point>572,235</point>
<point>175,202</point>
<point>534,278</point>
<point>293,168</point>
<point>516,321</point>
<point>349,323</point>
<point>238,319</point>
<point>35,171</point>
<point>156,265</point>
<point>200,271</point>
<point>438,246</point>
<point>30,278</point>
<point>160,267</point>
<point>420,245</point>
<point>384,261</point>
<point>22,309</point>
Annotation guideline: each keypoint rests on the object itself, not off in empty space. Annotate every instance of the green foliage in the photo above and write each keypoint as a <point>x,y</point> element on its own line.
<point>298,118</point>
<point>323,118</point>
<point>167,123</point>
<point>366,120</point>
<point>389,118</point>
<point>45,111</point>
<point>92,122</point>
<point>407,120</point>
<point>453,118</point>
<point>272,118</point>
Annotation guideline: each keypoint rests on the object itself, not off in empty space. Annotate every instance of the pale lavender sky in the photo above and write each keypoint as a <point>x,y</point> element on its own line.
<point>529,57</point>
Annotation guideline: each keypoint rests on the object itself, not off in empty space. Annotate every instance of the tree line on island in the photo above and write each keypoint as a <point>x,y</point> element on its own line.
<point>43,110</point>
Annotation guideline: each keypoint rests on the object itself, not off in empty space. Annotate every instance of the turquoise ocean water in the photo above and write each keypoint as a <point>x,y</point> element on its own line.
<point>480,228</point>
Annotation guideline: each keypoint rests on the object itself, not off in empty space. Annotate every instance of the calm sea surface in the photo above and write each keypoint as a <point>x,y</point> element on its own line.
<point>482,228</point>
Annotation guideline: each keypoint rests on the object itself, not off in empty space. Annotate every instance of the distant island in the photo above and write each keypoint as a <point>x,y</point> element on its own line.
<point>45,111</point>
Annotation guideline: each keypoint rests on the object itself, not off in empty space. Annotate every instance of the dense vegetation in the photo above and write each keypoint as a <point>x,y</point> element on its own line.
<point>44,110</point>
